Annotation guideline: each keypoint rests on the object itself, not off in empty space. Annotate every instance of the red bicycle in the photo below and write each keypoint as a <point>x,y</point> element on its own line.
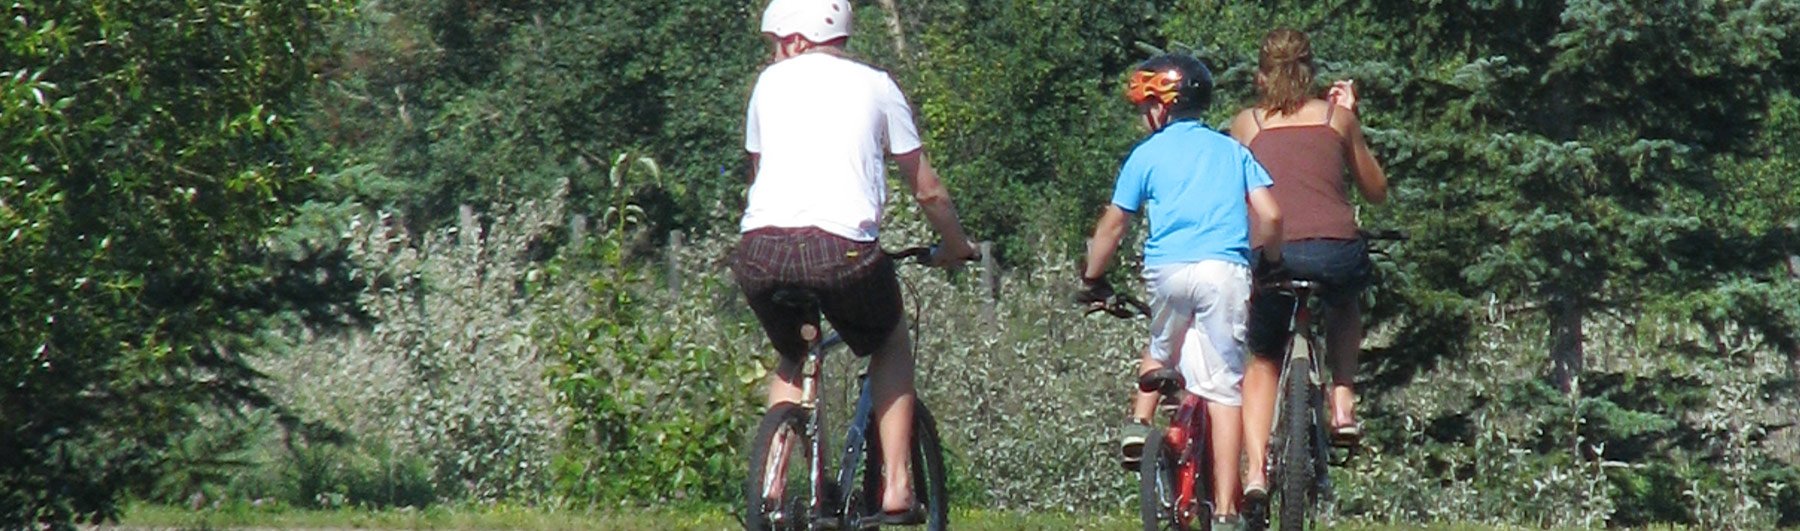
<point>1175,475</point>
<point>1175,478</point>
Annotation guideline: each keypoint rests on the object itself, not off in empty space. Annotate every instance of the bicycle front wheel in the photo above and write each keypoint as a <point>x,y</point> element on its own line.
<point>1297,470</point>
<point>930,486</point>
<point>778,491</point>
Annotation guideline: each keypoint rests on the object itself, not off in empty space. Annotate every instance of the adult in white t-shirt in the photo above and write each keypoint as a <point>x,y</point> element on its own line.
<point>818,129</point>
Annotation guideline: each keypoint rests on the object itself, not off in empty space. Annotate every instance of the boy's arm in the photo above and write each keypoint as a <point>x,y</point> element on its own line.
<point>1108,231</point>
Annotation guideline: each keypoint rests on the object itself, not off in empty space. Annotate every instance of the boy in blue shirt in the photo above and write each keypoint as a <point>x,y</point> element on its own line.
<point>1197,187</point>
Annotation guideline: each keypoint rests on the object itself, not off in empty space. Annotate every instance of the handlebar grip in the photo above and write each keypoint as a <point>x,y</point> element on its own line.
<point>922,254</point>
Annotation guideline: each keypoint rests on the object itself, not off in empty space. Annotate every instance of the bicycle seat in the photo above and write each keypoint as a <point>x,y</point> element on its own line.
<point>801,299</point>
<point>807,302</point>
<point>1166,381</point>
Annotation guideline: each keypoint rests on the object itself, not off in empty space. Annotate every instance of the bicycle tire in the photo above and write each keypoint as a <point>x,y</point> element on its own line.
<point>1157,483</point>
<point>1294,494</point>
<point>928,469</point>
<point>930,486</point>
<point>794,502</point>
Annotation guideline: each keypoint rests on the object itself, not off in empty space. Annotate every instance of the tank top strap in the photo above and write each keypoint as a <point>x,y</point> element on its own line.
<point>1256,115</point>
<point>1330,107</point>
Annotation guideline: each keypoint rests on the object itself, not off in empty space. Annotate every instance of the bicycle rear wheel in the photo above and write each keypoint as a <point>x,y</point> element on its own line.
<point>1296,472</point>
<point>778,490</point>
<point>1159,484</point>
<point>930,486</point>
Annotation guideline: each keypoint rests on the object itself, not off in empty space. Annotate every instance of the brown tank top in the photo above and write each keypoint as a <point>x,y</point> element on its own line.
<point>1307,164</point>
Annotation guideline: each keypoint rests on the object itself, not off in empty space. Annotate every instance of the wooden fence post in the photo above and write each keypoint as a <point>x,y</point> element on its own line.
<point>990,279</point>
<point>577,230</point>
<point>673,256</point>
<point>468,232</point>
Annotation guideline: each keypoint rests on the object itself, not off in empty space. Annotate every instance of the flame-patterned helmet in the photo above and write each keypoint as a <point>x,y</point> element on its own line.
<point>1179,81</point>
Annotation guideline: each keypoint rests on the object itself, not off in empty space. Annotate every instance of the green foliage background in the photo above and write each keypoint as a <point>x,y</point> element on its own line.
<point>421,252</point>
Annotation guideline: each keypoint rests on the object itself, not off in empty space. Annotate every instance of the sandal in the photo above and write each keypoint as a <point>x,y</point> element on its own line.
<point>1347,435</point>
<point>1256,507</point>
<point>913,515</point>
<point>1256,492</point>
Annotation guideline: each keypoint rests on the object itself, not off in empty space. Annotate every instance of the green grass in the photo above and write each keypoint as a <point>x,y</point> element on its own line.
<point>517,517</point>
<point>470,517</point>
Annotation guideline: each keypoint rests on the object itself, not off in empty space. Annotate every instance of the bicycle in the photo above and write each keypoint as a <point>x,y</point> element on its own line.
<point>1300,449</point>
<point>1175,474</point>
<point>792,494</point>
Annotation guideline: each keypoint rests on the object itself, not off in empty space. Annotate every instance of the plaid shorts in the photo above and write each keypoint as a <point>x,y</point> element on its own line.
<point>853,283</point>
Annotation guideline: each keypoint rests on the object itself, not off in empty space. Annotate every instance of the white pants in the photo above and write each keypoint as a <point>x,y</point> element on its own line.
<point>1198,315</point>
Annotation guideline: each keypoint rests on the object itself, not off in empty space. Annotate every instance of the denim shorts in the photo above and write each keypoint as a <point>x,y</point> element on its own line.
<point>1342,270</point>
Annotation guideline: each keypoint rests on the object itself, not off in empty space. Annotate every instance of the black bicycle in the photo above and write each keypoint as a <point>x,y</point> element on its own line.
<point>788,486</point>
<point>1300,449</point>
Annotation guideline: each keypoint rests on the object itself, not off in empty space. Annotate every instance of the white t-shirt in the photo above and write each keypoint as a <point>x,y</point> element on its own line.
<point>823,125</point>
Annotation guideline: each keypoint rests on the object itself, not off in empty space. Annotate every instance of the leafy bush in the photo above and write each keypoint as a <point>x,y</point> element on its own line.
<point>660,389</point>
<point>447,374</point>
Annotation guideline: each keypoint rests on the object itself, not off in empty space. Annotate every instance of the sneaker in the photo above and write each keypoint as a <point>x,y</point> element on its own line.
<point>1131,442</point>
<point>1228,522</point>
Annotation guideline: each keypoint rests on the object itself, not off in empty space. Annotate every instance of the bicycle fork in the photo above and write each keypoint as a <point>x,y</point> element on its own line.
<point>1190,434</point>
<point>809,401</point>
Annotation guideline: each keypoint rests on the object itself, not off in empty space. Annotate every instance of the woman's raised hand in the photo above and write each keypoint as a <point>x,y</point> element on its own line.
<point>1343,93</point>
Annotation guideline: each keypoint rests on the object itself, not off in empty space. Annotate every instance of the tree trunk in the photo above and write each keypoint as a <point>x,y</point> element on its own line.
<point>1566,316</point>
<point>896,28</point>
<point>1793,267</point>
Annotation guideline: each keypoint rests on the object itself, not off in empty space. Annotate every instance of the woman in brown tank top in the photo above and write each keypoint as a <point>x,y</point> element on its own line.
<point>1307,144</point>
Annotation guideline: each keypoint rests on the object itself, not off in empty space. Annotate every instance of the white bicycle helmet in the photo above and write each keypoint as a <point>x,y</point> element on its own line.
<point>819,21</point>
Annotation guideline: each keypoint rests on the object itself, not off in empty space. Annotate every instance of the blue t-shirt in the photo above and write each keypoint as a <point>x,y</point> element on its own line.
<point>1194,182</point>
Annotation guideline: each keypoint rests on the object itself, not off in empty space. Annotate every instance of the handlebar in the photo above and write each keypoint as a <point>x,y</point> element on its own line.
<point>1384,234</point>
<point>1122,306</point>
<point>921,254</point>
